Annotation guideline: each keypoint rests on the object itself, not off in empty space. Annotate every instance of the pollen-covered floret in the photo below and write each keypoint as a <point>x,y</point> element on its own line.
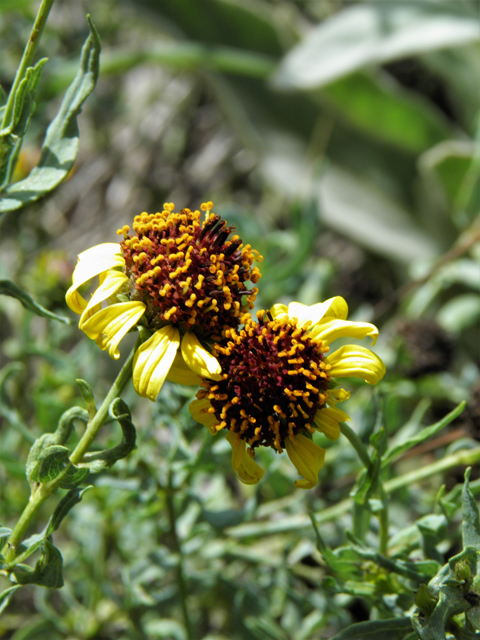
<point>188,273</point>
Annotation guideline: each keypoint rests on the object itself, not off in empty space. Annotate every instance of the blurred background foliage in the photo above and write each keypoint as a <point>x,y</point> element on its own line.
<point>342,139</point>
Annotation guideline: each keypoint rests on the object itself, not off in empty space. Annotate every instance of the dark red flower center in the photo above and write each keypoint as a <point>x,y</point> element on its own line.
<point>274,381</point>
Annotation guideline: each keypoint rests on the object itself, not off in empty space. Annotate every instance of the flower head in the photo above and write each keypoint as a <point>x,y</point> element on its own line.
<point>277,385</point>
<point>183,280</point>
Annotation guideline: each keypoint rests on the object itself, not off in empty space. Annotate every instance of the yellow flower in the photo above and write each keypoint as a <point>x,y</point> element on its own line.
<point>182,280</point>
<point>277,384</point>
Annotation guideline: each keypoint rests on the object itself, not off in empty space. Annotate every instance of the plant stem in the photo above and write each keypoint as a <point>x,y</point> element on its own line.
<point>356,443</point>
<point>43,491</point>
<point>28,55</point>
<point>182,589</point>
<point>98,420</point>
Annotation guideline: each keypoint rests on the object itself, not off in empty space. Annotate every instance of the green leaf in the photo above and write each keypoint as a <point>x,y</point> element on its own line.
<point>104,459</point>
<point>432,530</point>
<point>88,397</point>
<point>375,33</point>
<point>66,424</point>
<point>73,497</point>
<point>48,571</point>
<point>23,108</point>
<point>51,462</point>
<point>471,518</point>
<point>424,434</point>
<point>61,143</point>
<point>8,288</point>
<point>6,596</point>
<point>393,629</point>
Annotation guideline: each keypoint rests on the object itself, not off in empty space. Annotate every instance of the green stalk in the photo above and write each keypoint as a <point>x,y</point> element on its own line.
<point>28,56</point>
<point>182,588</point>
<point>43,491</point>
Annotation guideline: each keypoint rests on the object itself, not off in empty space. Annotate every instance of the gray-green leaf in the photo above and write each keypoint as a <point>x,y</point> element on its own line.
<point>8,288</point>
<point>61,143</point>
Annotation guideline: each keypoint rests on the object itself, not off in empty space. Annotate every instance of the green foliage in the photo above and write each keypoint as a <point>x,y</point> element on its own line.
<point>342,141</point>
<point>61,144</point>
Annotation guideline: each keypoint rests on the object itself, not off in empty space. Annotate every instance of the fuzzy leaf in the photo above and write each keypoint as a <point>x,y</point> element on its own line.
<point>48,571</point>
<point>68,501</point>
<point>88,397</point>
<point>61,143</point>
<point>471,519</point>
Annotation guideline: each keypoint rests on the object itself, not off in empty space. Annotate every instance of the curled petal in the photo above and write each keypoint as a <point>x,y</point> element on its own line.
<point>352,360</point>
<point>153,360</point>
<point>327,421</point>
<point>199,359</point>
<point>245,467</point>
<point>200,412</point>
<point>336,395</point>
<point>181,373</point>
<point>91,263</point>
<point>111,282</point>
<point>108,326</point>
<point>329,329</point>
<point>307,457</point>
<point>334,307</point>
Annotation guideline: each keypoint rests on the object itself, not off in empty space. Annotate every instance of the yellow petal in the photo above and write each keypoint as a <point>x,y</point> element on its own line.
<point>327,419</point>
<point>329,329</point>
<point>111,282</point>
<point>181,373</point>
<point>91,263</point>
<point>245,467</point>
<point>199,410</point>
<point>199,359</point>
<point>279,310</point>
<point>307,457</point>
<point>108,326</point>
<point>336,395</point>
<point>334,307</point>
<point>153,360</point>
<point>352,360</point>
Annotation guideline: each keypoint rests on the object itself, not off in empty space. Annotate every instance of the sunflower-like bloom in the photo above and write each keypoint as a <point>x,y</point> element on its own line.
<point>182,280</point>
<point>277,387</point>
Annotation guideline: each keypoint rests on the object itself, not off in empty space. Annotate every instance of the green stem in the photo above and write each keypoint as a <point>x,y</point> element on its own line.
<point>356,443</point>
<point>28,56</point>
<point>43,491</point>
<point>182,588</point>
<point>98,420</point>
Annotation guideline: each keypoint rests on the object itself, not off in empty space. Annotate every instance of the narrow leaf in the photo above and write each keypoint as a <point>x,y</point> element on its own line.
<point>61,143</point>
<point>88,397</point>
<point>393,629</point>
<point>68,501</point>
<point>424,434</point>
<point>6,596</point>
<point>471,519</point>
<point>48,571</point>
<point>8,288</point>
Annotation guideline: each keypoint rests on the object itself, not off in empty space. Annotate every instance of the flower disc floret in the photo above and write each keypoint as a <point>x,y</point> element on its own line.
<point>274,382</point>
<point>187,273</point>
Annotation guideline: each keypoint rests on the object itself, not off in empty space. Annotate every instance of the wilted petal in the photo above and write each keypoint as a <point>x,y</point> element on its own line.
<point>307,457</point>
<point>111,282</point>
<point>199,359</point>
<point>327,421</point>
<point>108,326</point>
<point>200,412</point>
<point>153,360</point>
<point>352,360</point>
<point>245,467</point>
